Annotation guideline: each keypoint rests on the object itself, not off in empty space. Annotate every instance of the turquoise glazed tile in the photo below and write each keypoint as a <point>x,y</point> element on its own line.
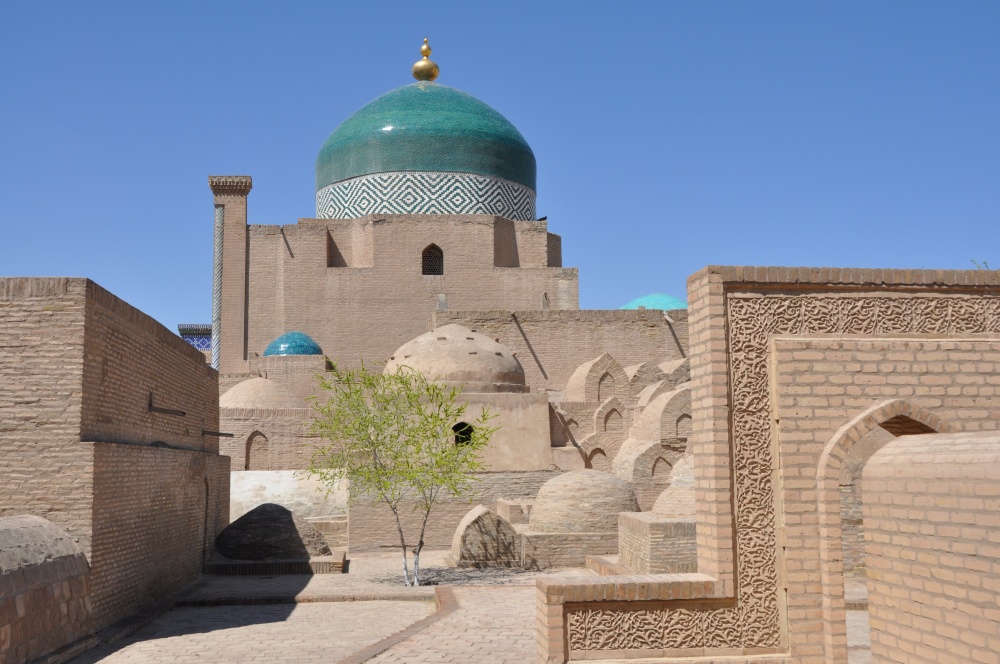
<point>426,127</point>
<point>656,301</point>
<point>293,343</point>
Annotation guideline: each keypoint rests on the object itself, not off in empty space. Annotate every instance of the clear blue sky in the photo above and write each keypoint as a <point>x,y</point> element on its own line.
<point>668,135</point>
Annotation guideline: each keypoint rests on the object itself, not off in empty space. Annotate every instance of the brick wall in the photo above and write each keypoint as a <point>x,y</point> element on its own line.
<point>80,447</point>
<point>373,526</point>
<point>373,298</point>
<point>155,520</point>
<point>289,444</point>
<point>128,356</point>
<point>551,344</point>
<point>932,511</point>
<point>41,362</point>
<point>651,544</point>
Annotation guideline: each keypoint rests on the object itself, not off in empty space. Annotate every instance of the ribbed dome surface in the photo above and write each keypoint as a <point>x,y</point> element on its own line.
<point>581,501</point>
<point>456,354</point>
<point>426,127</point>
<point>259,393</point>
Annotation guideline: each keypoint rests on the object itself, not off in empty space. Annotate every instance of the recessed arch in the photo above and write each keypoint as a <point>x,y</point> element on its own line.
<point>432,260</point>
<point>598,460</point>
<point>899,417</point>
<point>257,454</point>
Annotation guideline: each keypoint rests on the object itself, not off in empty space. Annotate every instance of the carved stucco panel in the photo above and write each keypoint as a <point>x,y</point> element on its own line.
<point>752,320</point>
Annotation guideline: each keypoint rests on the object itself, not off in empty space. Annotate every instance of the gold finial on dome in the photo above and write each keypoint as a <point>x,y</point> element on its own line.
<point>425,69</point>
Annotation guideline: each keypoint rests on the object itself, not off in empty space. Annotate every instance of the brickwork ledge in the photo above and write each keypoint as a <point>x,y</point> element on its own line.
<point>332,564</point>
<point>631,588</point>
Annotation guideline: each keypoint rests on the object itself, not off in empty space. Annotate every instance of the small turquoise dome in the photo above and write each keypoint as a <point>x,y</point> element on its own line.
<point>426,127</point>
<point>656,301</point>
<point>293,343</point>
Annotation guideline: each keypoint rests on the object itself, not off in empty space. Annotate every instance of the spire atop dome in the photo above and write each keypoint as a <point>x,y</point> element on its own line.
<point>425,69</point>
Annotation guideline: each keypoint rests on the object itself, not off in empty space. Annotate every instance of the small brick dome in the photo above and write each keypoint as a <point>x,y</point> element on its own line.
<point>259,393</point>
<point>455,354</point>
<point>581,501</point>
<point>677,500</point>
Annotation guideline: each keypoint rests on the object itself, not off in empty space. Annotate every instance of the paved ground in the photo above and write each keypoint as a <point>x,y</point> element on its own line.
<point>328,617</point>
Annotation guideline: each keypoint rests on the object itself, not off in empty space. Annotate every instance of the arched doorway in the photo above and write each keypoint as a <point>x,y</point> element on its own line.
<point>843,458</point>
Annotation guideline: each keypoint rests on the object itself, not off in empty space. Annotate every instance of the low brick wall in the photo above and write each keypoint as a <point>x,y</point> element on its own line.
<point>651,544</point>
<point>932,514</point>
<point>373,526</point>
<point>44,589</point>
<point>543,550</point>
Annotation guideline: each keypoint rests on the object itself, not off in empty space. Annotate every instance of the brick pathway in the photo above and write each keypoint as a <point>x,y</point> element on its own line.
<point>492,624</point>
<point>320,632</point>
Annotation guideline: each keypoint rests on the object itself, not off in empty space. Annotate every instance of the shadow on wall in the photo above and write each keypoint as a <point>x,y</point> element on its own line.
<point>268,533</point>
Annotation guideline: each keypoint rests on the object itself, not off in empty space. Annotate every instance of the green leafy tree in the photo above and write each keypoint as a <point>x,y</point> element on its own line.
<point>400,439</point>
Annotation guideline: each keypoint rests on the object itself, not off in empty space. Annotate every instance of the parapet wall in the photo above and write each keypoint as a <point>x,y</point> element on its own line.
<point>932,514</point>
<point>551,344</point>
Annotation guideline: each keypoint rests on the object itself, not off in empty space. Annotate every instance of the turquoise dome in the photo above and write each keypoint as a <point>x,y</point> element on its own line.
<point>293,343</point>
<point>426,127</point>
<point>656,301</point>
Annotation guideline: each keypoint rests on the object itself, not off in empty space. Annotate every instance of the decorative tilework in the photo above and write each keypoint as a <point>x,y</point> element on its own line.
<point>217,286</point>
<point>293,343</point>
<point>429,128</point>
<point>425,193</point>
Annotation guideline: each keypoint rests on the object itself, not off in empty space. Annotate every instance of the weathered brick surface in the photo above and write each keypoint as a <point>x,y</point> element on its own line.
<point>44,589</point>
<point>650,544</point>
<point>552,344</point>
<point>932,513</point>
<point>289,444</point>
<point>768,451</point>
<point>373,526</point>
<point>355,286</point>
<point>152,532</point>
<point>81,446</point>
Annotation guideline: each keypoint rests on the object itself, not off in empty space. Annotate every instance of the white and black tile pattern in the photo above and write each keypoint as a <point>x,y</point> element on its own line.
<point>425,193</point>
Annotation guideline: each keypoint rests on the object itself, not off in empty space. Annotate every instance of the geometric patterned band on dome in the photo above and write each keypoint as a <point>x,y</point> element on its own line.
<point>421,192</point>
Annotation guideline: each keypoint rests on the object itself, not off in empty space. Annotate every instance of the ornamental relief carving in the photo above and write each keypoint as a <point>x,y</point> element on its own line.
<point>754,622</point>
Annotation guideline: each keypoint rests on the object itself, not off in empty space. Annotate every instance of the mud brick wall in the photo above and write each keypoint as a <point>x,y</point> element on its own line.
<point>44,469</point>
<point>551,344</point>
<point>289,444</point>
<point>128,356</point>
<point>932,512</point>
<point>373,526</point>
<point>544,550</point>
<point>155,520</point>
<point>651,544</point>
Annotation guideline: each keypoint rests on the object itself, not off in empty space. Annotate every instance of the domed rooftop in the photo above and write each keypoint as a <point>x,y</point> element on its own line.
<point>457,355</point>
<point>656,301</point>
<point>425,148</point>
<point>293,343</point>
<point>581,501</point>
<point>425,126</point>
<point>259,393</point>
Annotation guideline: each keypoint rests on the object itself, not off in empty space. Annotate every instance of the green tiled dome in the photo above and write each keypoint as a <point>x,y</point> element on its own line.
<point>426,127</point>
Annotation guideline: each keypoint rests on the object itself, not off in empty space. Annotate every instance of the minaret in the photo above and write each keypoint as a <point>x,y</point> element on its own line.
<point>229,277</point>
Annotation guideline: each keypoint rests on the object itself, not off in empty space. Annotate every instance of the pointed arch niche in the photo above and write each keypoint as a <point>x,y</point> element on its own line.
<point>898,417</point>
